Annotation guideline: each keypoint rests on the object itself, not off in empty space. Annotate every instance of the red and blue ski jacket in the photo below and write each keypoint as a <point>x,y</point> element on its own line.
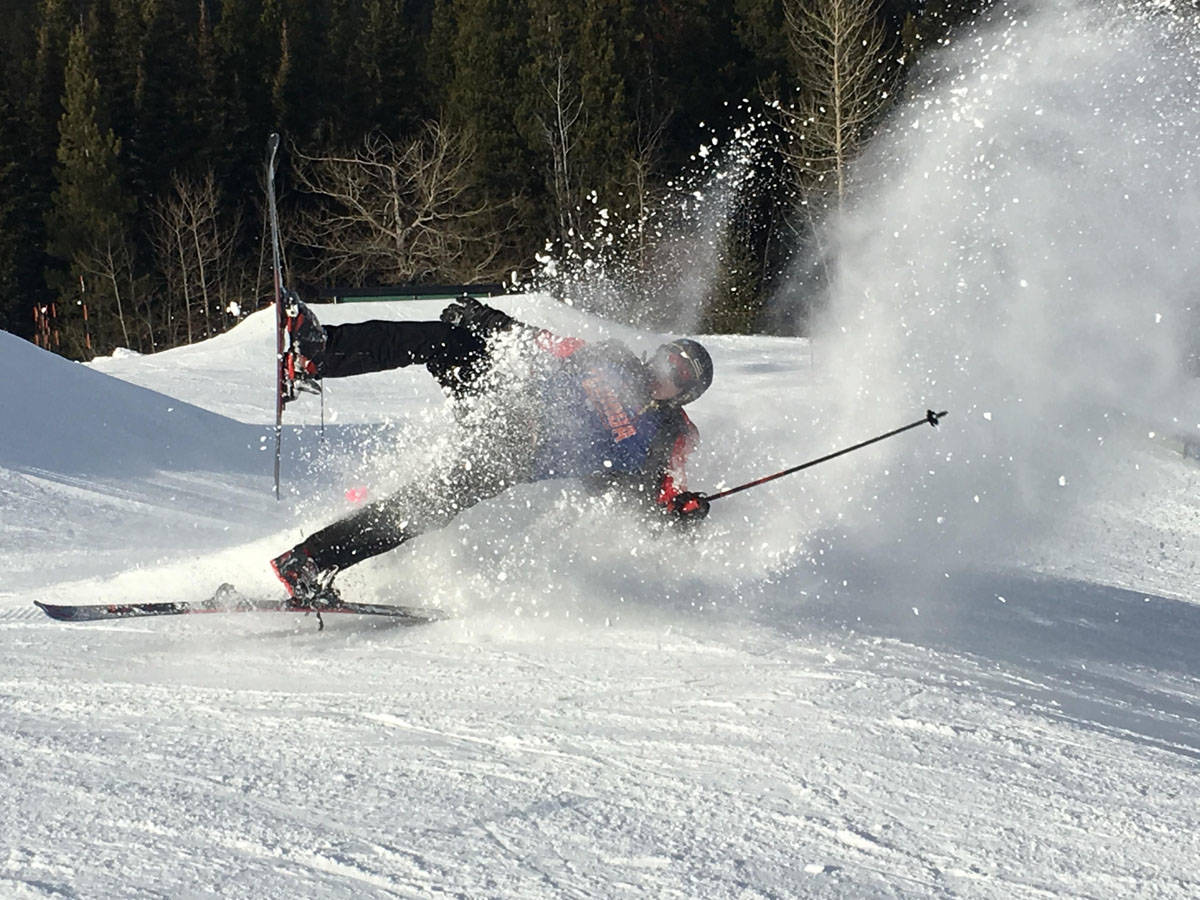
<point>600,421</point>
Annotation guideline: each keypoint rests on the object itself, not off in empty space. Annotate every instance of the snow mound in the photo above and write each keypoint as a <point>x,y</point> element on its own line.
<point>100,476</point>
<point>71,420</point>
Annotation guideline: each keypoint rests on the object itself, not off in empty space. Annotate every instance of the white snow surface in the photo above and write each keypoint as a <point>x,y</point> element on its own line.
<point>960,663</point>
<point>766,707</point>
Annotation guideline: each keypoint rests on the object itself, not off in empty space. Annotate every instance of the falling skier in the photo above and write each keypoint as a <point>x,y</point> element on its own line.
<point>593,411</point>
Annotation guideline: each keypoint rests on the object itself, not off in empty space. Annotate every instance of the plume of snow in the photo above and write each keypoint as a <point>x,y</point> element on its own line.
<point>1024,251</point>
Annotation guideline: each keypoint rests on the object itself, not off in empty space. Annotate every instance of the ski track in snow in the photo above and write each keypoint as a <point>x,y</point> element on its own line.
<point>234,758</point>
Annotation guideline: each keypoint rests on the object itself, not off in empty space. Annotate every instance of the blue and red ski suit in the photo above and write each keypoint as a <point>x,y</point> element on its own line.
<point>584,411</point>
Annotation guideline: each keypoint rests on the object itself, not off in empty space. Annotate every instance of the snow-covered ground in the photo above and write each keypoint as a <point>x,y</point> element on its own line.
<point>963,662</point>
<point>767,707</point>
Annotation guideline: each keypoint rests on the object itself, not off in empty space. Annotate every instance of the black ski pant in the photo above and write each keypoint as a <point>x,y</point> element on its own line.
<point>454,356</point>
<point>489,463</point>
<point>412,511</point>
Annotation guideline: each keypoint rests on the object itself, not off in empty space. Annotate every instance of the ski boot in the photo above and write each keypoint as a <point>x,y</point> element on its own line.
<point>304,348</point>
<point>308,587</point>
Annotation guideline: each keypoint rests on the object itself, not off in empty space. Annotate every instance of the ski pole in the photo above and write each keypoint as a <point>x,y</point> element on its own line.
<point>931,418</point>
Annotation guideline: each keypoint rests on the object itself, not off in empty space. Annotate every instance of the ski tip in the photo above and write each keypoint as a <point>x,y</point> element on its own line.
<point>55,612</point>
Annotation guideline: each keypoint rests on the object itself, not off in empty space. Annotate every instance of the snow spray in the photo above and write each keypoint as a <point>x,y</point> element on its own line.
<point>657,263</point>
<point>1023,246</point>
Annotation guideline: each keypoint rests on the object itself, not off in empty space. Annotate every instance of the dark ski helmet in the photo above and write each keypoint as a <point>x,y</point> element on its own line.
<point>687,365</point>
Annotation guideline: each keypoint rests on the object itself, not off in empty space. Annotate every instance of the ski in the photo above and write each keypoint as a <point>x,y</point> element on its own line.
<point>228,600</point>
<point>288,321</point>
<point>280,313</point>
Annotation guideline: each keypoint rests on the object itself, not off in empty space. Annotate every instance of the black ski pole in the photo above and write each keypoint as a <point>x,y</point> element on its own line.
<point>931,418</point>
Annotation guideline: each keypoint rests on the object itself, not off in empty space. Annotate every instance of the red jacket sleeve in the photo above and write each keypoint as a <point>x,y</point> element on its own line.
<point>674,480</point>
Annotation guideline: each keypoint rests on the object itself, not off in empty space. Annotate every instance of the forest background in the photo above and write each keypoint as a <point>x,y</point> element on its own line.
<point>567,144</point>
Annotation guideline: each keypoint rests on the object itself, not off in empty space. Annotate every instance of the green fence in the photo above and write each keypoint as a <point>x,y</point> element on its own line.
<point>406,292</point>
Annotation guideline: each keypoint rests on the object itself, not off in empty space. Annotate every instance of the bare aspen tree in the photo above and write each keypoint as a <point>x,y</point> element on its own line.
<point>557,122</point>
<point>173,261</point>
<point>398,212</point>
<point>845,79</point>
<point>195,248</point>
<point>644,157</point>
<point>109,262</point>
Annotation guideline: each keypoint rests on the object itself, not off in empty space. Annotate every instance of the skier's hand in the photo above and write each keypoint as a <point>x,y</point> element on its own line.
<point>479,318</point>
<point>689,506</point>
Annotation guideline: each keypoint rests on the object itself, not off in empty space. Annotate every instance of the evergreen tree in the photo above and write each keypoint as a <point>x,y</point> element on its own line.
<point>390,54</point>
<point>299,79</point>
<point>481,60</point>
<point>46,87</point>
<point>760,30</point>
<point>24,174</point>
<point>86,223</point>
<point>246,53</point>
<point>604,54</point>
<point>690,72</point>
<point>21,229</point>
<point>348,65</point>
<point>163,136</point>
<point>207,113</point>
<point>574,115</point>
<point>485,38</point>
<point>115,30</point>
<point>551,114</point>
<point>439,63</point>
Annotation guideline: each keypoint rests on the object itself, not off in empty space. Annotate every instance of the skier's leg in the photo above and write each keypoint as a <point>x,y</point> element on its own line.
<point>498,452</point>
<point>374,346</point>
<point>388,523</point>
<point>374,529</point>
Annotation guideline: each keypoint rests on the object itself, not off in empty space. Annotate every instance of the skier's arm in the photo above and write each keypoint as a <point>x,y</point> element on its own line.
<point>673,496</point>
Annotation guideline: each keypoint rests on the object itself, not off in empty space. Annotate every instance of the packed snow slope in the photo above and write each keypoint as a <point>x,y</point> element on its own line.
<point>960,663</point>
<point>98,476</point>
<point>762,708</point>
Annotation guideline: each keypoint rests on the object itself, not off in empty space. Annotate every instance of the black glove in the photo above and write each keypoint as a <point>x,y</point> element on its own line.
<point>689,506</point>
<point>478,318</point>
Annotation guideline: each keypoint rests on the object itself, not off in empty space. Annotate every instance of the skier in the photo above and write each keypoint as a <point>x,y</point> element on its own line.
<point>573,409</point>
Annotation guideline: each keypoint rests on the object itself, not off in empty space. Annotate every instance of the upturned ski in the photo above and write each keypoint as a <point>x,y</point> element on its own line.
<point>282,384</point>
<point>227,600</point>
<point>288,322</point>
